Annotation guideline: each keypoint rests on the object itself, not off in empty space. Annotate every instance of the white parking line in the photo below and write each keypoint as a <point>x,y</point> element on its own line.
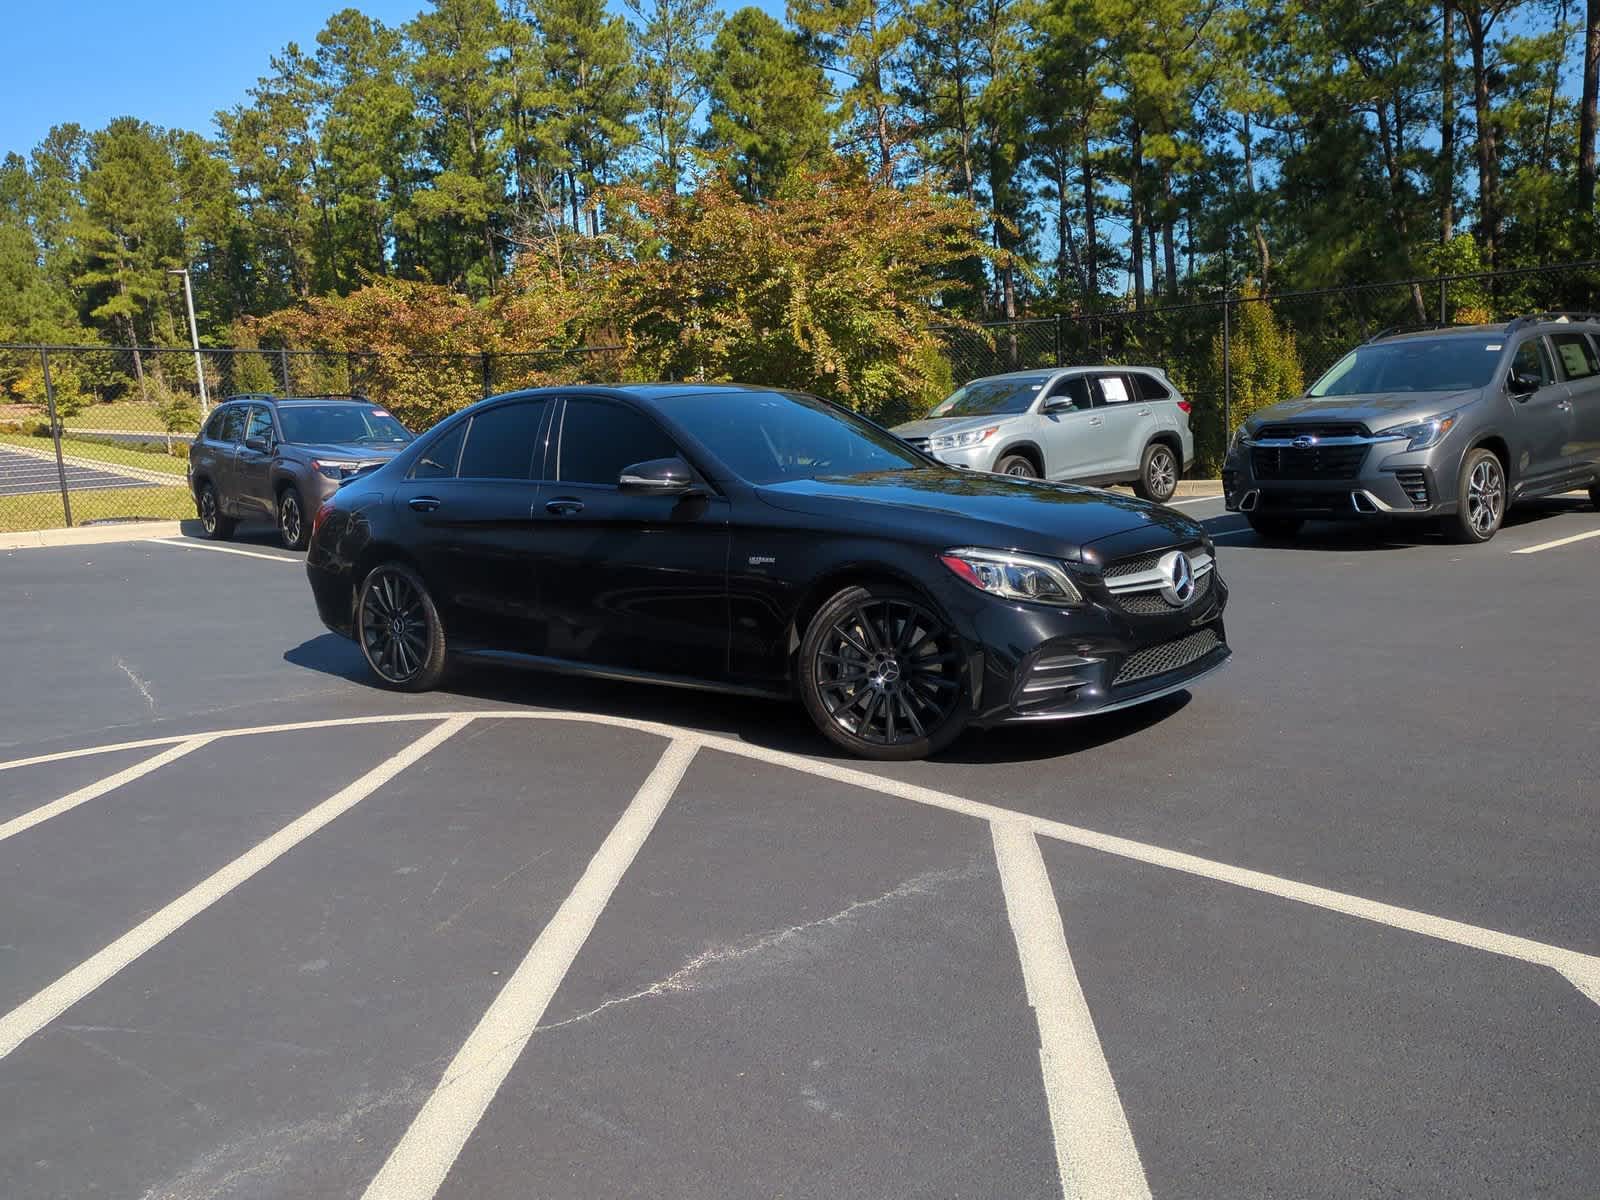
<point>181,544</point>
<point>1095,1151</point>
<point>1566,541</point>
<point>1175,503</point>
<point>419,1163</point>
<point>45,1006</point>
<point>95,790</point>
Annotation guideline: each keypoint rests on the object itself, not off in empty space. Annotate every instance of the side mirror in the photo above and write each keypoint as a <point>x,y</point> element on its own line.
<point>1058,404</point>
<point>262,445</point>
<point>659,477</point>
<point>1522,383</point>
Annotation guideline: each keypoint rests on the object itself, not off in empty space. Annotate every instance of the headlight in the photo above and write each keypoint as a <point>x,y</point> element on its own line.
<point>1013,576</point>
<point>960,441</point>
<point>336,468</point>
<point>1420,435</point>
<point>1239,438</point>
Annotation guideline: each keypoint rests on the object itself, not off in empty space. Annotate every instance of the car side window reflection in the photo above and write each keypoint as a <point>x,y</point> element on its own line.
<point>1532,359</point>
<point>1075,390</point>
<point>260,426</point>
<point>438,461</point>
<point>233,425</point>
<point>598,439</point>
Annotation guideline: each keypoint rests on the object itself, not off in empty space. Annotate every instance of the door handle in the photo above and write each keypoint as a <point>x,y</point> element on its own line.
<point>1097,420</point>
<point>424,503</point>
<point>564,506</point>
<point>1565,405</point>
<point>1144,412</point>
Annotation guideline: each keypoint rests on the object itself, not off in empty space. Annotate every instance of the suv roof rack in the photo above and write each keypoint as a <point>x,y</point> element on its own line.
<point>1553,317</point>
<point>273,396</point>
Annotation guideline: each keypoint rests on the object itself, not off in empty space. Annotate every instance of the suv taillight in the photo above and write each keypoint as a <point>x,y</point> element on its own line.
<point>1185,407</point>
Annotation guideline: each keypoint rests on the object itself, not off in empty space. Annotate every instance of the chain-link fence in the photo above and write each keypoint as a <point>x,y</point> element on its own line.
<point>92,433</point>
<point>1233,356</point>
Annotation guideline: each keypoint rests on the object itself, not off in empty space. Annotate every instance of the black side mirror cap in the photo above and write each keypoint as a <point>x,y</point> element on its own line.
<point>659,477</point>
<point>1522,383</point>
<point>261,444</point>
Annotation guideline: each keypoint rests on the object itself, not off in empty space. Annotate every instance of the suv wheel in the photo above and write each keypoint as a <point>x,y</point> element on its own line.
<point>209,507</point>
<point>292,519</point>
<point>1274,528</point>
<point>1480,498</point>
<point>1158,473</point>
<point>1019,465</point>
<point>881,674</point>
<point>399,629</point>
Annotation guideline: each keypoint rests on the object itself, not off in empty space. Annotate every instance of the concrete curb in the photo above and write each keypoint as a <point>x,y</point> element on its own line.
<point>91,535</point>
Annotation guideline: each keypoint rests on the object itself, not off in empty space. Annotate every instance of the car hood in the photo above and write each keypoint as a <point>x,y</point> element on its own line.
<point>932,426</point>
<point>347,451</point>
<point>1376,411</point>
<point>954,508</point>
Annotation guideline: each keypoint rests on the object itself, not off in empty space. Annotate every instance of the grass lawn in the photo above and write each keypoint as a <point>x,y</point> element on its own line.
<point>119,414</point>
<point>100,451</point>
<point>42,510</point>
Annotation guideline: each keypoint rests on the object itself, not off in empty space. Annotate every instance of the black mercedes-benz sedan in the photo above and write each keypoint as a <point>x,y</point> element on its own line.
<point>765,542</point>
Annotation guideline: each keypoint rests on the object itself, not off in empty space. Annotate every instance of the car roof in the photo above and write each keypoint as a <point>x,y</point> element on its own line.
<point>270,398</point>
<point>1039,374</point>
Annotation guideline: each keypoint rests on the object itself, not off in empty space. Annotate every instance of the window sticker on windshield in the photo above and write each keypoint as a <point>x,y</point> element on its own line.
<point>378,412</point>
<point>1492,346</point>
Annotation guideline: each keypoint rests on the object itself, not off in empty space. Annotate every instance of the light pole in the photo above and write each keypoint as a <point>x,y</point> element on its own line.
<point>194,338</point>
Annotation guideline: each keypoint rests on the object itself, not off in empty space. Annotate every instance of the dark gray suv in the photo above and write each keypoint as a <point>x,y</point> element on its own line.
<point>278,458</point>
<point>1453,424</point>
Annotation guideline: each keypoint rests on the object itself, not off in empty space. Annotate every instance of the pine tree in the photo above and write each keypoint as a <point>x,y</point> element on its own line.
<point>670,40</point>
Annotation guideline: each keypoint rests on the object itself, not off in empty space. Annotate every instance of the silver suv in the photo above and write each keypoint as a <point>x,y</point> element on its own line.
<point>1452,424</point>
<point>1097,425</point>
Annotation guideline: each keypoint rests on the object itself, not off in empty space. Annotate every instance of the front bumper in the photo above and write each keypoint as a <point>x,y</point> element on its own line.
<point>1386,483</point>
<point>1032,663</point>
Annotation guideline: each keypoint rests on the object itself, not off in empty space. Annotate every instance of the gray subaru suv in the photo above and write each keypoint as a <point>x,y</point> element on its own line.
<point>278,458</point>
<point>1096,425</point>
<point>1450,424</point>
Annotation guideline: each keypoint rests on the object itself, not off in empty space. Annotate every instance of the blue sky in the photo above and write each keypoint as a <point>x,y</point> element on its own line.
<point>174,63</point>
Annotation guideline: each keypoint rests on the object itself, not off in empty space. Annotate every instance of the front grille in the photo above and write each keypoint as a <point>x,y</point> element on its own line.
<point>1167,657</point>
<point>1312,462</point>
<point>1306,429</point>
<point>1414,483</point>
<point>1144,562</point>
<point>1151,604</point>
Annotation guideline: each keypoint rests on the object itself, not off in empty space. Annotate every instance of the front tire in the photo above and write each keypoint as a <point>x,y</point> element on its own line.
<point>1480,498</point>
<point>1272,528</point>
<point>292,526</point>
<point>1018,466</point>
<point>1159,471</point>
<point>208,505</point>
<point>881,674</point>
<point>398,629</point>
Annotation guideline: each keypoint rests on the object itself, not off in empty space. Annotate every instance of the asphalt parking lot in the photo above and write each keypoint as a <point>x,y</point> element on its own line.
<point>1327,926</point>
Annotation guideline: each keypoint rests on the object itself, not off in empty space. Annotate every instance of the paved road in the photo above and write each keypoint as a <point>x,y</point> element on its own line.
<point>1326,927</point>
<point>23,474</point>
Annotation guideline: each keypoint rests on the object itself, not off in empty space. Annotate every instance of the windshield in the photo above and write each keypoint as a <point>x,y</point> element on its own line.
<point>989,397</point>
<point>1446,364</point>
<point>324,424</point>
<point>768,437</point>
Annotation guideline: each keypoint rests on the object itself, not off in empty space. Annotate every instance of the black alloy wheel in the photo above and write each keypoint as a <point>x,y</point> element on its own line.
<point>292,519</point>
<point>1158,474</point>
<point>881,674</point>
<point>209,506</point>
<point>399,630</point>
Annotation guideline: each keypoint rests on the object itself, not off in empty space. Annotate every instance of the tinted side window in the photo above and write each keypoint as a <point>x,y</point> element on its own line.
<point>1151,388</point>
<point>501,442</point>
<point>214,425</point>
<point>1113,389</point>
<point>1534,359</point>
<point>232,424</point>
<point>598,439</point>
<point>1075,390</point>
<point>260,425</point>
<point>1576,355</point>
<point>438,461</point>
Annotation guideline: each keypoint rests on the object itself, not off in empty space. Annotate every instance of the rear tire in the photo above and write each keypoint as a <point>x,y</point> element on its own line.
<point>208,505</point>
<point>398,629</point>
<point>1480,499</point>
<point>1273,528</point>
<point>292,527</point>
<point>1159,472</point>
<point>882,675</point>
<point>1019,466</point>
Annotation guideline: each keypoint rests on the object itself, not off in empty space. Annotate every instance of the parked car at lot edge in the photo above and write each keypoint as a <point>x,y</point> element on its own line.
<point>1450,424</point>
<point>1094,425</point>
<point>278,458</point>
<point>763,542</point>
